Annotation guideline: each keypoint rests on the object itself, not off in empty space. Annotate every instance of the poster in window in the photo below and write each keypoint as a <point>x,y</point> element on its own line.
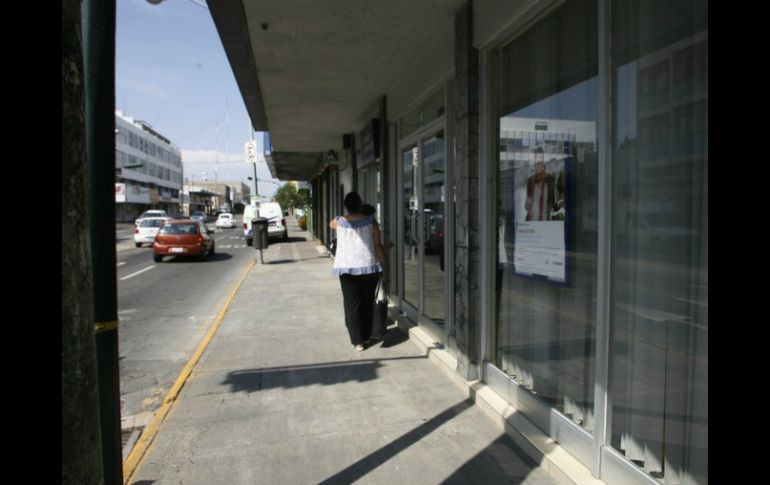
<point>541,213</point>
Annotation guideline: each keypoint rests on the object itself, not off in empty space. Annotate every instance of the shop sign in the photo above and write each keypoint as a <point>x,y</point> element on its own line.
<point>368,144</point>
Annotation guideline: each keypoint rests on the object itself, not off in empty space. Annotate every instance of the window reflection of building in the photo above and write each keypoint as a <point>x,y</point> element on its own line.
<point>548,100</point>
<point>660,166</point>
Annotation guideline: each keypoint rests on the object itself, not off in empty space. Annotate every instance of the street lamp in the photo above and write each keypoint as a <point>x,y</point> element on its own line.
<point>256,188</point>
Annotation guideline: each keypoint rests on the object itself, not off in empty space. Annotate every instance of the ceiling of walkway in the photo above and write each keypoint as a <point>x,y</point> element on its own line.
<point>312,70</point>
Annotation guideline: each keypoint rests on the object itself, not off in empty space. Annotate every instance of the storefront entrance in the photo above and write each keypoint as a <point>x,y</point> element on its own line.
<point>423,204</point>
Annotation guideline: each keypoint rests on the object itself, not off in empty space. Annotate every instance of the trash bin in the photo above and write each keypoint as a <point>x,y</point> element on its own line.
<point>259,232</point>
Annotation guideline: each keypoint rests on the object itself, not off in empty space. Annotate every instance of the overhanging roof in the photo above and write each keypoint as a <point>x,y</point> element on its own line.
<point>312,70</point>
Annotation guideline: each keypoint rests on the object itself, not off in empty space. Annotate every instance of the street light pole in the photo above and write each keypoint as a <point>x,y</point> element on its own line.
<point>256,180</point>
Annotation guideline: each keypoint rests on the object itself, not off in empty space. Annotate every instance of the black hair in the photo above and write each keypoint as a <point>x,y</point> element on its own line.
<point>367,209</point>
<point>352,202</point>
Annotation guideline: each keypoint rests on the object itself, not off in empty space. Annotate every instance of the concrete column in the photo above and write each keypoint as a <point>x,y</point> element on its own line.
<point>465,119</point>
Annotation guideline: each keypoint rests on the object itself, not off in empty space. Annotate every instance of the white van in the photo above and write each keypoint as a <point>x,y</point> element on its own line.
<point>276,223</point>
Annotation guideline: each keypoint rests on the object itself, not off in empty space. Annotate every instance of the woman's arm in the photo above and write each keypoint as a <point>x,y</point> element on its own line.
<point>333,224</point>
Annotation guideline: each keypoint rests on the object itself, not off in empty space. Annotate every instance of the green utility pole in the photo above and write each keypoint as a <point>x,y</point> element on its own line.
<point>81,450</point>
<point>99,63</point>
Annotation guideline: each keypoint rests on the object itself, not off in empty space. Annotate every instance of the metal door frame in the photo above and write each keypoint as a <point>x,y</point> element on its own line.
<point>416,313</point>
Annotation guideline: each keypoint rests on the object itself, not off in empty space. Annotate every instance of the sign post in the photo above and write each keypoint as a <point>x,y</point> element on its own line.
<point>251,157</point>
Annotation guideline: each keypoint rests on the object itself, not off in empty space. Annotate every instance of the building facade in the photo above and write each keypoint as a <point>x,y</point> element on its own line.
<point>225,195</point>
<point>148,170</point>
<point>542,167</point>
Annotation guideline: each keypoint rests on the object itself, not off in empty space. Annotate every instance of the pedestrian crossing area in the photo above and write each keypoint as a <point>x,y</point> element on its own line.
<point>232,242</point>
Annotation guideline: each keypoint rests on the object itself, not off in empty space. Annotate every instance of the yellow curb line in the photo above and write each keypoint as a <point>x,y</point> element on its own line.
<point>149,433</point>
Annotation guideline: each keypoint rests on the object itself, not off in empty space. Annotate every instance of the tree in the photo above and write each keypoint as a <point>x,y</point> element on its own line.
<point>290,198</point>
<point>304,196</point>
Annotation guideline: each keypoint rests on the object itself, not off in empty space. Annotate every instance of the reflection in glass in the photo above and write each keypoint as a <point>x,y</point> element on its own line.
<point>547,210</point>
<point>411,254</point>
<point>433,226</point>
<point>660,220</point>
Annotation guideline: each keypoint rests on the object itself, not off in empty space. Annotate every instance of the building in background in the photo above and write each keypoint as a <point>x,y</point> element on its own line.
<point>224,196</point>
<point>148,170</point>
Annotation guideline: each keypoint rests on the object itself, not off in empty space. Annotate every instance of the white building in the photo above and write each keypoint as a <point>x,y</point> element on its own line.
<point>148,170</point>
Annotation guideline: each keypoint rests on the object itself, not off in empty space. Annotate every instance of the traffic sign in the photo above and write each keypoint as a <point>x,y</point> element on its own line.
<point>251,151</point>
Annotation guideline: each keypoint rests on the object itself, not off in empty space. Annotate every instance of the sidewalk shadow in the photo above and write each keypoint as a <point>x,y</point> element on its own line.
<point>253,380</point>
<point>295,239</point>
<point>502,461</point>
<point>394,337</point>
<point>326,375</point>
<point>375,459</point>
<point>287,261</point>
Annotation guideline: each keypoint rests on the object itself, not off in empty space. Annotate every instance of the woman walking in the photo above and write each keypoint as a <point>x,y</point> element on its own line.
<point>359,259</point>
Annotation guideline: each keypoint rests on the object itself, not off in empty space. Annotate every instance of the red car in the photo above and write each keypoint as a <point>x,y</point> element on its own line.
<point>183,238</point>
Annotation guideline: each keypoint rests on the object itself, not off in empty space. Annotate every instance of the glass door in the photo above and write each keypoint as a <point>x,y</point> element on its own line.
<point>432,227</point>
<point>423,172</point>
<point>410,283</point>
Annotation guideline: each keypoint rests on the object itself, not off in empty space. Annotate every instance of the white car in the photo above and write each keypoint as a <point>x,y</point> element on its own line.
<point>151,213</point>
<point>147,229</point>
<point>226,220</point>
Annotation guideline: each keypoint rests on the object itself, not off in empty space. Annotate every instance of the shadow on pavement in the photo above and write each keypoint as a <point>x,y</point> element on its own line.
<point>287,261</point>
<point>394,337</point>
<point>331,373</point>
<point>375,459</point>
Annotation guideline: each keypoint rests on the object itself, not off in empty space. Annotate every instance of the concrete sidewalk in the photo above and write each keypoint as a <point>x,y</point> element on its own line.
<point>281,397</point>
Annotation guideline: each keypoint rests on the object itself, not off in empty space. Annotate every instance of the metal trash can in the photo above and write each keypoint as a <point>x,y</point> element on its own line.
<point>259,232</point>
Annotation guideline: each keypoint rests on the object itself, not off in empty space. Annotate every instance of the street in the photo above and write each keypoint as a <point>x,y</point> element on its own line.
<point>164,310</point>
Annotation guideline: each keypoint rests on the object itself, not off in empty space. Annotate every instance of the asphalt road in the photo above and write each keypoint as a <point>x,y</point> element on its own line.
<point>164,310</point>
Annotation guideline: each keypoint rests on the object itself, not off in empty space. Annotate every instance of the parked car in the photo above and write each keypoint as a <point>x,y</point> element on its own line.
<point>183,238</point>
<point>198,216</point>
<point>435,242</point>
<point>151,213</point>
<point>147,229</point>
<point>226,220</point>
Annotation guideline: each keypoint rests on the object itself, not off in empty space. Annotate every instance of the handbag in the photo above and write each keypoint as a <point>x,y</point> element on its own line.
<point>380,317</point>
<point>333,247</point>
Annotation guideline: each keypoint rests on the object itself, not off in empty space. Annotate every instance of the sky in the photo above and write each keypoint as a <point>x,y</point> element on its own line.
<point>171,71</point>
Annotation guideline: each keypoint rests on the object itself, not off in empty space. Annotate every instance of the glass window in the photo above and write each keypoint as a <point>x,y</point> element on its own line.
<point>659,350</point>
<point>547,210</point>
<point>433,226</point>
<point>409,157</point>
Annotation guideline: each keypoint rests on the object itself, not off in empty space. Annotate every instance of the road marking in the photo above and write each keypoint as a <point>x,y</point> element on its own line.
<point>134,460</point>
<point>121,263</point>
<point>138,272</point>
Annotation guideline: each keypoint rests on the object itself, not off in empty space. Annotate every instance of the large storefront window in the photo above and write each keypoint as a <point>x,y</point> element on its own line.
<point>547,210</point>
<point>659,349</point>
